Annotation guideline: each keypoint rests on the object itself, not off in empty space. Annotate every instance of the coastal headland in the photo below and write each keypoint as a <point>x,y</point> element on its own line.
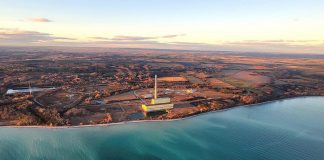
<point>58,87</point>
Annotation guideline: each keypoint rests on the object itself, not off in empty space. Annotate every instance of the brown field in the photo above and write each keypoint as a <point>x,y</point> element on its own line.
<point>201,75</point>
<point>251,77</point>
<point>130,95</point>
<point>121,97</point>
<point>59,98</point>
<point>259,67</point>
<point>173,79</point>
<point>195,80</point>
<point>219,83</point>
<point>212,94</point>
<point>291,81</point>
<point>237,82</point>
<point>229,72</point>
<point>159,65</point>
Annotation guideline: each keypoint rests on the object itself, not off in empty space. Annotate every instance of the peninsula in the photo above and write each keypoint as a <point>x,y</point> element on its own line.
<point>68,87</point>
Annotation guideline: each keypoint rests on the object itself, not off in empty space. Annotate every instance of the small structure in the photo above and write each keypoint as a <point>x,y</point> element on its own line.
<point>158,107</point>
<point>157,104</point>
<point>161,101</point>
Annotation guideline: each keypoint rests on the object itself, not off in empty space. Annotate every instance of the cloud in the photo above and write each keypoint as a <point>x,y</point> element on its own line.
<point>137,38</point>
<point>124,38</point>
<point>287,46</point>
<point>16,36</point>
<point>39,19</point>
<point>134,41</point>
<point>100,38</point>
<point>275,42</point>
<point>22,37</point>
<point>132,38</point>
<point>173,35</point>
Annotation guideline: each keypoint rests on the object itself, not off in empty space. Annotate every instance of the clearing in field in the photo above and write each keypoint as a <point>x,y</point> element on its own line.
<point>194,80</point>
<point>251,77</point>
<point>212,94</point>
<point>173,79</point>
<point>57,99</point>
<point>219,83</point>
<point>237,82</point>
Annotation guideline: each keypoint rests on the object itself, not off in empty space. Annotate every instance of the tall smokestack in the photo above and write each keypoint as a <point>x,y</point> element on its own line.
<point>155,88</point>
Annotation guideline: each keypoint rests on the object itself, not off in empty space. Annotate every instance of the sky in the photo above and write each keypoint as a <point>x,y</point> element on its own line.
<point>287,26</point>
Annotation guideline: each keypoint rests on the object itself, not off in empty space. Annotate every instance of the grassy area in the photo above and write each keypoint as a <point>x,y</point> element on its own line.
<point>194,80</point>
<point>219,83</point>
<point>236,82</point>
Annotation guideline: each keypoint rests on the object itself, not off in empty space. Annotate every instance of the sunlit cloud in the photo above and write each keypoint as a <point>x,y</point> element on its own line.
<point>287,46</point>
<point>132,38</point>
<point>16,36</point>
<point>137,38</point>
<point>23,37</point>
<point>39,19</point>
<point>100,38</point>
<point>173,35</point>
<point>280,41</point>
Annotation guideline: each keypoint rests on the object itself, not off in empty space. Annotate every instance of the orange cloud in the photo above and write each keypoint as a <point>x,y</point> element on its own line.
<point>39,19</point>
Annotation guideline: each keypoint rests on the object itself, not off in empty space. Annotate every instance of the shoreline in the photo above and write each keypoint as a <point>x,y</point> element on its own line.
<point>145,121</point>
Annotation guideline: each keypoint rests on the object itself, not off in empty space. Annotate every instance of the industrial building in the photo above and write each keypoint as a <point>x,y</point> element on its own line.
<point>157,104</point>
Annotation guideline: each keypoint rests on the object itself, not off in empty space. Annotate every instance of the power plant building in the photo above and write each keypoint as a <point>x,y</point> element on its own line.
<point>158,104</point>
<point>161,100</point>
<point>154,108</point>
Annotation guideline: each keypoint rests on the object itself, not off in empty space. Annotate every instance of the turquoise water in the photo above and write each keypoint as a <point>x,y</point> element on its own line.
<point>283,130</point>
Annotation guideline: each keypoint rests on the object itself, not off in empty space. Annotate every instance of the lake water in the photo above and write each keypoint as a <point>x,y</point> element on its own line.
<point>290,129</point>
